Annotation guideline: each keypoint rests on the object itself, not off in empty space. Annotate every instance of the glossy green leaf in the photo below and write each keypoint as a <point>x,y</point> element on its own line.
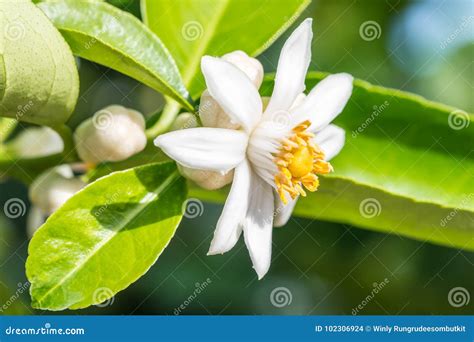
<point>6,128</point>
<point>104,34</point>
<point>194,28</point>
<point>105,237</point>
<point>407,168</point>
<point>29,42</point>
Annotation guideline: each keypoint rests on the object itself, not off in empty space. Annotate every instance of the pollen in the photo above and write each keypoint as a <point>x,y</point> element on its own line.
<point>299,162</point>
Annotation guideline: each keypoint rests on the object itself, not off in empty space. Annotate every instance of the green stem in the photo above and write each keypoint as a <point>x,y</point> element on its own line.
<point>69,151</point>
<point>169,114</point>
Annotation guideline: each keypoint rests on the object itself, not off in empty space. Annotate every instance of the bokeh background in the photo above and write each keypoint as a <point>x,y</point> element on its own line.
<point>424,46</point>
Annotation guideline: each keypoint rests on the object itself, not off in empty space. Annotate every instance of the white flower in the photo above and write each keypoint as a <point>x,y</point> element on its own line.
<point>277,152</point>
<point>212,115</point>
<point>48,192</point>
<point>37,142</point>
<point>114,133</point>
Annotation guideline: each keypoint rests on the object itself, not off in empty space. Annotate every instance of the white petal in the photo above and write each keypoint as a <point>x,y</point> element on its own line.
<point>293,64</point>
<point>235,210</point>
<point>233,90</point>
<point>331,140</point>
<point>325,101</point>
<point>283,211</point>
<point>258,225</point>
<point>215,149</point>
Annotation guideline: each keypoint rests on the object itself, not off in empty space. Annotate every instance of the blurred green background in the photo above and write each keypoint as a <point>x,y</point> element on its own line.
<point>325,268</point>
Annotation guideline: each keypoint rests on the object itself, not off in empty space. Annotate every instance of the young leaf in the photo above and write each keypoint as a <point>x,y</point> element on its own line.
<point>192,29</point>
<point>407,168</point>
<point>38,76</point>
<point>105,237</point>
<point>109,36</point>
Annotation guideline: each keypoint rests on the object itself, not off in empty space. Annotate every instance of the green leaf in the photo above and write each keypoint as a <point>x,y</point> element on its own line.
<point>38,76</point>
<point>7,126</point>
<point>104,34</point>
<point>407,168</point>
<point>191,29</point>
<point>105,237</point>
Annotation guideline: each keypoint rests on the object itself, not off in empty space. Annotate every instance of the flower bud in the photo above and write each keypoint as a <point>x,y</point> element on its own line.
<point>184,121</point>
<point>37,142</point>
<point>250,66</point>
<point>210,112</point>
<point>114,133</point>
<point>209,180</point>
<point>54,187</point>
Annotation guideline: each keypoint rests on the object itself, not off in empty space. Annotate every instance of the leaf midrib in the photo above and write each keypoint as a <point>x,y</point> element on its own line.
<point>129,218</point>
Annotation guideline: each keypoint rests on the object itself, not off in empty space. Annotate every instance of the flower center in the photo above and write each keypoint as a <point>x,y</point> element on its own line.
<point>299,161</point>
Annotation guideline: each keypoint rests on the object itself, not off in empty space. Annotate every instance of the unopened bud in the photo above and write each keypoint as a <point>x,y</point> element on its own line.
<point>53,188</point>
<point>250,66</point>
<point>209,180</point>
<point>114,133</point>
<point>36,142</point>
<point>211,114</point>
<point>184,121</point>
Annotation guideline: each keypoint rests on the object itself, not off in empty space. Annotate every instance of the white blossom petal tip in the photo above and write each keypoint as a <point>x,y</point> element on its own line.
<point>203,148</point>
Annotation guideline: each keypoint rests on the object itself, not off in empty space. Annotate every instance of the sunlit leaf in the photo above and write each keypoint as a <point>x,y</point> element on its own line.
<point>38,76</point>
<point>105,237</point>
<point>407,168</point>
<point>194,28</point>
<point>104,34</point>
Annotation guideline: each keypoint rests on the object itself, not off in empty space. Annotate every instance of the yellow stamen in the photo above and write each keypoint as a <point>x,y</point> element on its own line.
<point>299,162</point>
